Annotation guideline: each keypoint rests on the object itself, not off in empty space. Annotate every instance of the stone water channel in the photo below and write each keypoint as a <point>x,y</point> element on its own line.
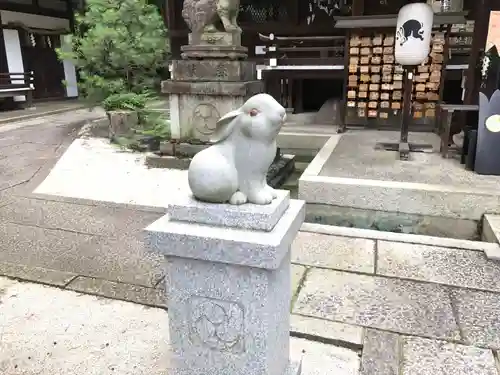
<point>286,177</point>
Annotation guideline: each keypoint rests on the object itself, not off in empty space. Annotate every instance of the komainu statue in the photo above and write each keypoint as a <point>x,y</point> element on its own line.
<point>201,15</point>
<point>234,168</point>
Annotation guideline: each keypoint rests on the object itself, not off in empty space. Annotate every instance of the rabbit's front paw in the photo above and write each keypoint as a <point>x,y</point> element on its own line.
<point>271,191</point>
<point>262,197</point>
<point>238,198</point>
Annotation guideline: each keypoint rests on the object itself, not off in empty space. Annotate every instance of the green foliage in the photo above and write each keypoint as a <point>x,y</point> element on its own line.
<point>118,47</point>
<point>127,101</point>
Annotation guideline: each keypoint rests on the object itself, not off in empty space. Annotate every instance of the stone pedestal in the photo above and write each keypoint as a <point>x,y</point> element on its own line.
<point>211,80</point>
<point>228,285</point>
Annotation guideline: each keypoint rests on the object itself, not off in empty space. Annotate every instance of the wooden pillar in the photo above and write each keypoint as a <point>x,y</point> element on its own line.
<point>358,7</point>
<point>299,100</point>
<point>481,15</point>
<point>71,15</point>
<point>172,22</point>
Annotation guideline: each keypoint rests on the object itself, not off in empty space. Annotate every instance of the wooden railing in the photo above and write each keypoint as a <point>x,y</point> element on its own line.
<point>304,50</point>
<point>16,84</point>
<point>288,57</point>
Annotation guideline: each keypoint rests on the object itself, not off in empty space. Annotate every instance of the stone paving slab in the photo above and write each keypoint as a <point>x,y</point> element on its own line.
<point>381,353</point>
<point>126,292</point>
<point>462,268</point>
<point>38,247</point>
<point>297,273</point>
<point>103,221</point>
<point>36,274</point>
<point>341,253</point>
<point>377,302</point>
<point>432,357</point>
<point>478,314</point>
<point>70,333</point>
<point>125,259</point>
<point>346,334</point>
<point>13,176</point>
<point>26,150</point>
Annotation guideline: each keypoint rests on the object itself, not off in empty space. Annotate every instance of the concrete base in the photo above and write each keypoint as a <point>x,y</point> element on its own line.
<point>228,285</point>
<point>426,194</point>
<point>195,107</point>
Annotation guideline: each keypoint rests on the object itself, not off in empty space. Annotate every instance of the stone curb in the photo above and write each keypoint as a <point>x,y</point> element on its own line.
<point>314,329</point>
<point>491,250</point>
<point>42,114</point>
<point>91,202</point>
<point>142,295</point>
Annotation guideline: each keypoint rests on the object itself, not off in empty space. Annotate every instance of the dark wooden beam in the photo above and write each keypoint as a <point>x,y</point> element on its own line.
<point>481,16</point>
<point>3,53</point>
<point>71,15</point>
<point>32,9</point>
<point>358,7</point>
<point>172,21</point>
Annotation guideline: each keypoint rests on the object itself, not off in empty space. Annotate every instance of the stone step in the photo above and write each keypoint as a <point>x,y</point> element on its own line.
<point>399,286</point>
<point>491,228</point>
<point>450,266</point>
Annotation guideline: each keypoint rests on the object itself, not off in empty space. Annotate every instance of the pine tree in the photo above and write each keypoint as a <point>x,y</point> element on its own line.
<point>118,47</point>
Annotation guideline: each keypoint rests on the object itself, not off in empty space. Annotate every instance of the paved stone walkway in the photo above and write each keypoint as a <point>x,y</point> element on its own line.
<point>407,308</point>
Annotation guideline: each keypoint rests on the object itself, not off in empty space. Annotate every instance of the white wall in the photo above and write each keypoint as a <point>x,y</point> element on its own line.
<point>14,56</point>
<point>69,73</point>
<point>13,47</point>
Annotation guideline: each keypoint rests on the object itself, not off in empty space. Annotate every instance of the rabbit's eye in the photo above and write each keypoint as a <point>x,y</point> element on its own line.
<point>254,112</point>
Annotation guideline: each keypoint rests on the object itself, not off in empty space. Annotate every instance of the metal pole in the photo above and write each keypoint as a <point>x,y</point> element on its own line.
<point>404,148</point>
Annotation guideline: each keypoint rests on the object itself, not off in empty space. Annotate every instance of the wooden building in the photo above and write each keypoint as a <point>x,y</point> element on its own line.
<point>30,32</point>
<point>312,66</point>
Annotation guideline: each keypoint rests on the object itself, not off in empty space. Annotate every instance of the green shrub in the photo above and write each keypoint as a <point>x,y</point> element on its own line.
<point>118,48</point>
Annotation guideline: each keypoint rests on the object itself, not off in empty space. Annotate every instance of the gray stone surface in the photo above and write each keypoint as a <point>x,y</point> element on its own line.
<point>245,247</point>
<point>463,268</point>
<point>124,259</point>
<point>121,291</point>
<point>381,353</point>
<point>18,244</point>
<point>378,219</point>
<point>217,38</point>
<point>358,176</point>
<point>201,18</point>
<point>478,314</point>
<point>491,228</point>
<point>80,218</point>
<point>297,274</point>
<point>36,274</point>
<point>377,302</point>
<point>246,216</point>
<point>453,243</point>
<point>213,70</point>
<point>432,357</point>
<point>188,149</point>
<point>246,299</point>
<point>341,253</point>
<point>207,51</point>
<point>170,162</point>
<point>346,334</point>
<point>218,88</point>
<point>226,287</point>
<point>196,114</point>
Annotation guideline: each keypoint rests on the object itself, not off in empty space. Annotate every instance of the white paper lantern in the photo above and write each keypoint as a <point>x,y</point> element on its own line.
<point>413,33</point>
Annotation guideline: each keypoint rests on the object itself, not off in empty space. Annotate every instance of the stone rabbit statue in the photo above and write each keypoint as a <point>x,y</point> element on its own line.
<point>201,15</point>
<point>234,168</point>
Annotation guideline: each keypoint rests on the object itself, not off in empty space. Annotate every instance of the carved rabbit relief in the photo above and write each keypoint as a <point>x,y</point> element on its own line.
<point>201,15</point>
<point>234,168</point>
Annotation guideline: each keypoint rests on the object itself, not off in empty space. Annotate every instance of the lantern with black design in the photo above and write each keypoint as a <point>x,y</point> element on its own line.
<point>413,41</point>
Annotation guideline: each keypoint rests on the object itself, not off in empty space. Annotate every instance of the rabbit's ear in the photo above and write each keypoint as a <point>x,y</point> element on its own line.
<point>225,126</point>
